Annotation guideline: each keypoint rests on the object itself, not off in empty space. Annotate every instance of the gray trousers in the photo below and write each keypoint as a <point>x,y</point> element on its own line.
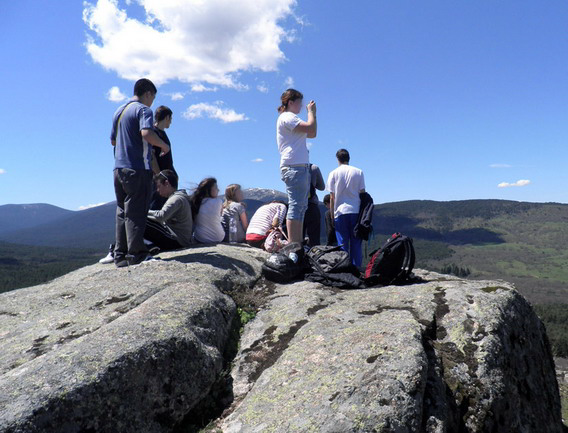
<point>133,190</point>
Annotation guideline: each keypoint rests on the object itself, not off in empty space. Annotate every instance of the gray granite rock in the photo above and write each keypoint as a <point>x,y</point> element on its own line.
<point>136,349</point>
<point>119,350</point>
<point>446,355</point>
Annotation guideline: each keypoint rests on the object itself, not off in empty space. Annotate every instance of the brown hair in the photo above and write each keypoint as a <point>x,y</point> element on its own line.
<point>231,194</point>
<point>161,113</point>
<point>202,191</point>
<point>288,96</point>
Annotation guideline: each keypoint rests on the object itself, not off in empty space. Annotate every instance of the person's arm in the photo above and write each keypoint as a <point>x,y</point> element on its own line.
<point>151,137</point>
<point>167,212</point>
<point>362,184</point>
<point>155,166</point>
<point>320,184</point>
<point>332,208</point>
<point>244,221</point>
<point>311,126</point>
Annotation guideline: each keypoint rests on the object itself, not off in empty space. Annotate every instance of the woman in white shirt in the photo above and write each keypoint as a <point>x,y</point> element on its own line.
<point>207,207</point>
<point>291,134</point>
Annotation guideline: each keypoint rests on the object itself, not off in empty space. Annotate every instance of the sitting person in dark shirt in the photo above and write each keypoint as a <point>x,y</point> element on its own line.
<point>162,121</point>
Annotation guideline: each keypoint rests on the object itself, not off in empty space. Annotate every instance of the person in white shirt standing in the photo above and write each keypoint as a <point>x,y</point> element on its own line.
<point>344,184</point>
<point>291,134</point>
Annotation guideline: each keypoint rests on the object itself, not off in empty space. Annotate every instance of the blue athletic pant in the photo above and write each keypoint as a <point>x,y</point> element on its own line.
<point>344,226</point>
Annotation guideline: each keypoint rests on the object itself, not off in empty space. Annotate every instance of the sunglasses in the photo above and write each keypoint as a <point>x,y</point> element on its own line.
<point>164,176</point>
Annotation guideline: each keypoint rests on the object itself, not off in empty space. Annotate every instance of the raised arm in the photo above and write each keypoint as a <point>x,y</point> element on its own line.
<point>311,126</point>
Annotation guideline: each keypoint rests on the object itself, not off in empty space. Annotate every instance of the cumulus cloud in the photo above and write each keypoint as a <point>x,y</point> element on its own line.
<point>202,88</point>
<point>262,88</point>
<point>289,82</point>
<point>522,182</point>
<point>257,160</point>
<point>115,95</point>
<point>213,111</point>
<point>2,171</point>
<point>89,206</point>
<point>193,41</point>
<point>500,166</point>
<point>176,96</point>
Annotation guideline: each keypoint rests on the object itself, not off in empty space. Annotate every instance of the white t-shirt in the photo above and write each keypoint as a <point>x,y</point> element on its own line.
<point>291,145</point>
<point>208,228</point>
<point>345,182</point>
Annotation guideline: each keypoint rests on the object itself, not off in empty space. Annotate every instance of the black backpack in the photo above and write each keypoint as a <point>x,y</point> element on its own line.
<point>393,263</point>
<point>329,259</point>
<point>332,266</point>
<point>286,265</point>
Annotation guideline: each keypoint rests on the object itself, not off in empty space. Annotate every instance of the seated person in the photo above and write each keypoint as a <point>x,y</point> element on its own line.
<point>207,208</point>
<point>170,227</point>
<point>267,217</point>
<point>234,214</point>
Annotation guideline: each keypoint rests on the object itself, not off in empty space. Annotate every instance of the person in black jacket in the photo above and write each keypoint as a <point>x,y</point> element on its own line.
<point>162,121</point>
<point>329,228</point>
<point>312,218</point>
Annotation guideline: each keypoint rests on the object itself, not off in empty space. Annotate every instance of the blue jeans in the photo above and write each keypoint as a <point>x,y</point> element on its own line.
<point>297,180</point>
<point>344,226</point>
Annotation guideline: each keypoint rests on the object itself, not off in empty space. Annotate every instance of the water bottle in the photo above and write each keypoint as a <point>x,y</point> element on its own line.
<point>233,230</point>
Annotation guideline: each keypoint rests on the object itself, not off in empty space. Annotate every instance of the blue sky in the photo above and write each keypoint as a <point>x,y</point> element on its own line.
<point>440,100</point>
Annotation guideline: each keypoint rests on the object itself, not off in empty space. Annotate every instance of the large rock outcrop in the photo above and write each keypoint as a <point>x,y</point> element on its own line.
<point>135,350</point>
<point>444,355</point>
<point>119,350</point>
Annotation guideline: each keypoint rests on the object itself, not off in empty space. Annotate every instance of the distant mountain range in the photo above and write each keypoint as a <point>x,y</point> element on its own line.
<point>23,216</point>
<point>517,241</point>
<point>47,225</point>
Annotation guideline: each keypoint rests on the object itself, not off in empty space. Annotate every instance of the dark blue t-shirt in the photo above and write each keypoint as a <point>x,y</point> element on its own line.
<point>131,151</point>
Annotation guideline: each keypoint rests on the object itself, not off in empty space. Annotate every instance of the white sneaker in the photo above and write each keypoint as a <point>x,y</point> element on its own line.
<point>108,259</point>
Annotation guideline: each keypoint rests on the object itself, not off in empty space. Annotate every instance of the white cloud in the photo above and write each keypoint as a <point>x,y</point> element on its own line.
<point>115,95</point>
<point>309,145</point>
<point>262,88</point>
<point>257,160</point>
<point>202,88</point>
<point>89,206</point>
<point>289,82</point>
<point>213,111</point>
<point>177,96</point>
<point>2,171</point>
<point>522,182</point>
<point>500,166</point>
<point>193,41</point>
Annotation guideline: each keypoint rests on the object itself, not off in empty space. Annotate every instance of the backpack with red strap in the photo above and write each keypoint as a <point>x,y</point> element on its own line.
<point>392,263</point>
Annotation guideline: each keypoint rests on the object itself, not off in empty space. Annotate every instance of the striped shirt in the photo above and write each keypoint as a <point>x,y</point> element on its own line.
<point>261,221</point>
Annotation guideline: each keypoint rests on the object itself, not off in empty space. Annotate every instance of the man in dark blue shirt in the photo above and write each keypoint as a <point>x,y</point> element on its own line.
<point>133,136</point>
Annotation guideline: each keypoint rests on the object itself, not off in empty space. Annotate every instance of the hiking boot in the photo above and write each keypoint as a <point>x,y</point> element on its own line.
<point>136,260</point>
<point>122,263</point>
<point>109,258</point>
<point>153,249</point>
